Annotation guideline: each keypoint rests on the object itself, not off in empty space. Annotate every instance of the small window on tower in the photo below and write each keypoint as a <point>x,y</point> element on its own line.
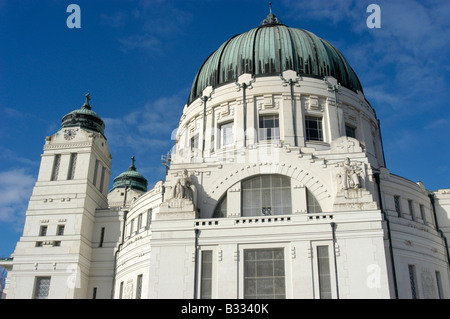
<point>350,131</point>
<point>314,131</point>
<point>269,128</point>
<point>56,164</point>
<point>43,231</point>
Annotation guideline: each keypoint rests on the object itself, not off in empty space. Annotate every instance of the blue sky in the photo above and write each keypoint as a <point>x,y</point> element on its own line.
<point>138,59</point>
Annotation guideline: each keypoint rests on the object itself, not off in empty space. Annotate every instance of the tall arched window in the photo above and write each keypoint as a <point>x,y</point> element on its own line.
<point>266,195</point>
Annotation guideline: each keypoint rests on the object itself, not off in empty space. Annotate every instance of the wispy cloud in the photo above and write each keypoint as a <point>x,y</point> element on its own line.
<point>147,25</point>
<point>16,187</point>
<point>148,127</point>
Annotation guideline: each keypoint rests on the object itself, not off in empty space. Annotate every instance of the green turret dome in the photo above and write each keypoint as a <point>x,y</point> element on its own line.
<point>84,118</point>
<point>271,49</point>
<point>131,178</point>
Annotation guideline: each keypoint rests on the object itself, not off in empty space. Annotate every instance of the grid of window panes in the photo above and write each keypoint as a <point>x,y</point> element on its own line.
<point>314,131</point>
<point>42,288</point>
<point>56,164</point>
<point>412,280</point>
<point>72,165</point>
<point>269,128</point>
<point>221,208</point>
<point>323,262</point>
<point>397,205</point>
<point>313,206</point>
<point>350,131</point>
<point>206,275</point>
<point>266,195</point>
<point>139,287</point>
<point>264,274</point>
<point>226,134</point>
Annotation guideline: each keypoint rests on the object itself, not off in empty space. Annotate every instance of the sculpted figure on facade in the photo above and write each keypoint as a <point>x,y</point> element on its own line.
<point>185,188</point>
<point>349,176</point>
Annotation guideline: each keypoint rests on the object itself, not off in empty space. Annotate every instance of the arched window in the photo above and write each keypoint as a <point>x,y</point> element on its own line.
<point>221,208</point>
<point>313,205</point>
<point>266,195</point>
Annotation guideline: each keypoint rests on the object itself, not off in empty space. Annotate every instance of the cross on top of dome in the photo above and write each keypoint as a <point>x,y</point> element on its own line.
<point>271,18</point>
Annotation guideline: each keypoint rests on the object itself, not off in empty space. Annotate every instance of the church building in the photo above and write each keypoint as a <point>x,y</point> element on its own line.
<point>276,188</point>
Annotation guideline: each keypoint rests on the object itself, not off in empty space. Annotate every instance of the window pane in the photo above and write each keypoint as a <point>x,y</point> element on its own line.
<point>266,195</point>
<point>206,275</point>
<point>314,130</point>
<point>264,273</point>
<point>42,288</point>
<point>269,127</point>
<point>226,134</point>
<point>324,272</point>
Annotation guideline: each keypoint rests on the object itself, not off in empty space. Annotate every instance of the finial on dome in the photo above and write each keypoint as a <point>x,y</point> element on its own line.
<point>86,104</point>
<point>132,167</point>
<point>271,18</point>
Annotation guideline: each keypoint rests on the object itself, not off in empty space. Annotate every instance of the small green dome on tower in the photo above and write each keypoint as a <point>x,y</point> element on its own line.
<point>84,118</point>
<point>131,179</point>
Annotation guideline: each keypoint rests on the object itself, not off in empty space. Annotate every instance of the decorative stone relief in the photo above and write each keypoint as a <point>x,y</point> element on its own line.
<point>351,193</point>
<point>428,285</point>
<point>350,175</point>
<point>181,201</point>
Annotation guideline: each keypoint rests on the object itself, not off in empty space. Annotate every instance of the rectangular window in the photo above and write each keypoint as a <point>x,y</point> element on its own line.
<point>43,231</point>
<point>411,209</point>
<point>56,244</point>
<point>72,165</point>
<point>56,164</point>
<point>60,230</point>
<point>323,263</point>
<point>439,285</point>
<point>102,180</point>
<point>397,205</point>
<point>226,134</point>
<point>350,131</point>
<point>94,293</point>
<point>269,128</point>
<point>139,223</point>
<point>206,275</point>
<point>94,180</point>
<point>139,287</point>
<point>314,131</point>
<point>413,281</point>
<point>264,274</point>
<point>149,217</point>
<point>194,142</point>
<point>121,290</point>
<point>42,287</point>
<point>422,213</point>
<point>102,237</point>
<point>131,227</point>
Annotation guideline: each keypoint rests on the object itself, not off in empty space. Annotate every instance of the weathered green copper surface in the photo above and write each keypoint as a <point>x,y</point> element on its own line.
<point>271,49</point>
<point>131,179</point>
<point>84,118</point>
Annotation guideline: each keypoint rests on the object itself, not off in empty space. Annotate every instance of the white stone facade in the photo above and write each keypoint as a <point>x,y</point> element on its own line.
<point>353,229</point>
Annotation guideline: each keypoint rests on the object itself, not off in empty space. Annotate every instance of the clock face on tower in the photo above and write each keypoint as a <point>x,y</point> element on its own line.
<point>69,134</point>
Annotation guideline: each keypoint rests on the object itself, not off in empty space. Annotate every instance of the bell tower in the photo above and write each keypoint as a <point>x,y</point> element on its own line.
<point>52,258</point>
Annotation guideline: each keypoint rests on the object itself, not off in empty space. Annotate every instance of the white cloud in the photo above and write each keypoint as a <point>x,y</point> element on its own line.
<point>15,188</point>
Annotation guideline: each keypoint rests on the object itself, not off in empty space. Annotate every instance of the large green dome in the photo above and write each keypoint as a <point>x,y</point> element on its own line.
<point>271,49</point>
